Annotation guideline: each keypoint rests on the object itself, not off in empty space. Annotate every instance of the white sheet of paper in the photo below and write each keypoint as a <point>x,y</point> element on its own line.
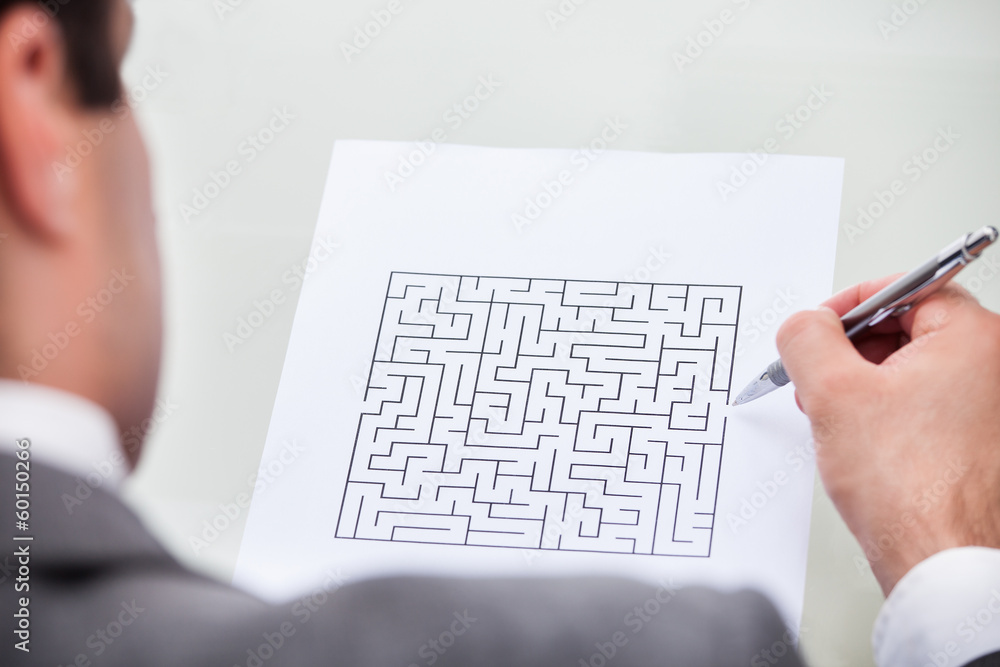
<point>543,344</point>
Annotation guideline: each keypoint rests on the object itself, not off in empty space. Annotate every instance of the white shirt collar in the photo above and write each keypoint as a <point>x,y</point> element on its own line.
<point>66,431</point>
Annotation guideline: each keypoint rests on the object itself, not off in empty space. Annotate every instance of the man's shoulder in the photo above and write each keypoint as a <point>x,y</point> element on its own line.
<point>71,521</point>
<point>86,562</point>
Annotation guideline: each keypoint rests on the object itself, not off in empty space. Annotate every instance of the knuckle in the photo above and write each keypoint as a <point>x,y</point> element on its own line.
<point>956,295</point>
<point>934,314</point>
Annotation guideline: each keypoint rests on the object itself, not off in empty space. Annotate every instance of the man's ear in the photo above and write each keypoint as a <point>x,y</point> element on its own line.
<point>37,107</point>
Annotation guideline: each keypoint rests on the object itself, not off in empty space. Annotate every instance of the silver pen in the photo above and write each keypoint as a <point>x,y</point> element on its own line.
<point>892,301</point>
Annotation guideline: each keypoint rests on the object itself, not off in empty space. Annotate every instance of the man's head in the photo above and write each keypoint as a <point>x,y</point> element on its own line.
<point>91,52</point>
<point>79,271</point>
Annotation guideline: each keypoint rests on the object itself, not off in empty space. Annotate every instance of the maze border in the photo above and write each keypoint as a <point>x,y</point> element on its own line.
<point>460,277</point>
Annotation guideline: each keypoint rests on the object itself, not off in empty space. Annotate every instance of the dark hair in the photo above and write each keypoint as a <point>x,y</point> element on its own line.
<point>90,55</point>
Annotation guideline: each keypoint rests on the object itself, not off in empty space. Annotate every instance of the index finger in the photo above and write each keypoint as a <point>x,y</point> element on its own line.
<point>884,338</point>
<point>852,297</point>
<point>928,315</point>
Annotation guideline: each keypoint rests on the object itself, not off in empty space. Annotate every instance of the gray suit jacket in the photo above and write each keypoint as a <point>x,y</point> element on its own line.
<point>102,591</point>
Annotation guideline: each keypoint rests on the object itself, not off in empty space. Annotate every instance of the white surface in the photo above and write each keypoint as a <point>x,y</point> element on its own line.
<point>612,58</point>
<point>456,216</point>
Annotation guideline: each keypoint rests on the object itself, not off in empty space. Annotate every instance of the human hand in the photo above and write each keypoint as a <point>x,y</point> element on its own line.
<point>907,424</point>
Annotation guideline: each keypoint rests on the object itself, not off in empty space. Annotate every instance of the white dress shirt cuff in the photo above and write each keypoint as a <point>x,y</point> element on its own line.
<point>944,613</point>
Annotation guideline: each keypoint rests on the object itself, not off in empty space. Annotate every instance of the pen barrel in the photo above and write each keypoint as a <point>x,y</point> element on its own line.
<point>776,373</point>
<point>856,321</point>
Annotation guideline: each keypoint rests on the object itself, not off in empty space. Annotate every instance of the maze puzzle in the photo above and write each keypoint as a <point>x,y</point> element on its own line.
<point>544,414</point>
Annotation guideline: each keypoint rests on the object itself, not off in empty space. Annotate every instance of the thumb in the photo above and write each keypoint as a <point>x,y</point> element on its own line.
<point>818,357</point>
